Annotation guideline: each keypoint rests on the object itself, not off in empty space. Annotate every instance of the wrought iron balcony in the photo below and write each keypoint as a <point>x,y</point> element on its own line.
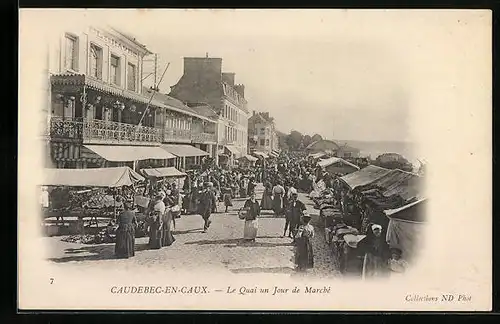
<point>114,132</point>
<point>177,135</point>
<point>100,131</point>
<point>203,138</point>
<point>62,128</point>
<point>107,132</point>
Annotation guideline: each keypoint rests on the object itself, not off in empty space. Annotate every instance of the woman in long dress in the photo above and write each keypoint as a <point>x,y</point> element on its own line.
<point>251,222</point>
<point>226,191</point>
<point>278,193</point>
<point>304,256</point>
<point>267,202</point>
<point>125,234</point>
<point>243,188</point>
<point>376,251</point>
<point>155,232</point>
<point>167,238</point>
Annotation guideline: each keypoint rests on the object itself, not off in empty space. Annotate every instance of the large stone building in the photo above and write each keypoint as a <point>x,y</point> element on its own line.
<point>100,115</point>
<point>204,83</point>
<point>262,134</point>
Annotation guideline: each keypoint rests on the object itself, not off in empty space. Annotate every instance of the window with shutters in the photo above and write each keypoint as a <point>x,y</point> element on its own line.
<point>131,77</point>
<point>95,61</point>
<point>71,53</point>
<point>115,70</point>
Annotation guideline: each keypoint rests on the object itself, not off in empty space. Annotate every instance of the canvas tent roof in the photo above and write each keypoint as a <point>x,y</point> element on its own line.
<point>127,153</point>
<point>169,172</point>
<point>393,190</point>
<point>407,185</point>
<point>333,160</point>
<point>249,158</point>
<point>317,155</point>
<point>407,212</point>
<point>183,150</point>
<point>261,154</point>
<point>233,150</point>
<point>99,177</point>
<point>364,176</point>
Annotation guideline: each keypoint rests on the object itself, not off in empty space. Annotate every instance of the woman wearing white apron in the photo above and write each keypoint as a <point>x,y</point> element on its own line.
<point>252,208</point>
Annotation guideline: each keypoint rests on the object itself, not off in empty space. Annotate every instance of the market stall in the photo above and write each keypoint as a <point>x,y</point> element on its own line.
<point>76,195</point>
<point>247,161</point>
<point>158,176</point>
<point>260,155</point>
<point>406,227</point>
<point>335,165</point>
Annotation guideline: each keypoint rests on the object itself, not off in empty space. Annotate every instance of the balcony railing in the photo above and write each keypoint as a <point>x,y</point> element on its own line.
<point>65,128</point>
<point>100,131</point>
<point>203,138</point>
<point>181,135</point>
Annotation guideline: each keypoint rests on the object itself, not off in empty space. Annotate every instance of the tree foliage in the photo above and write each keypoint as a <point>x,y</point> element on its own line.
<point>393,161</point>
<point>316,137</point>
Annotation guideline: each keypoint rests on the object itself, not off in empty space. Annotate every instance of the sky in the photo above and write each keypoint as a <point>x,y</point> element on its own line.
<point>344,74</point>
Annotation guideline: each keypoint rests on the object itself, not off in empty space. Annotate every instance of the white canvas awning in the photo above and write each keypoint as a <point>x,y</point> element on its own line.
<point>233,150</point>
<point>169,172</point>
<point>260,154</point>
<point>183,150</point>
<point>249,158</point>
<point>97,177</point>
<point>125,153</point>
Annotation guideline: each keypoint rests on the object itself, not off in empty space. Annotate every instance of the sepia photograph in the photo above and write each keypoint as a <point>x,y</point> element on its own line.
<point>255,159</point>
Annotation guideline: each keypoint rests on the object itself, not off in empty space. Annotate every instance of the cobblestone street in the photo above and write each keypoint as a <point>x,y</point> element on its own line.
<point>221,248</point>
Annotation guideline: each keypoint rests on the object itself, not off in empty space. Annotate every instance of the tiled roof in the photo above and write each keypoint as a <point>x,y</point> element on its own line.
<point>172,102</point>
<point>206,111</point>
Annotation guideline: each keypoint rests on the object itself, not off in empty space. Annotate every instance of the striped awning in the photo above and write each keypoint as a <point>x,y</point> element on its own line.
<point>273,154</point>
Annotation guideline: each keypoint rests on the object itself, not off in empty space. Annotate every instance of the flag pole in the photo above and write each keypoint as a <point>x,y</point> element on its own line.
<point>152,95</point>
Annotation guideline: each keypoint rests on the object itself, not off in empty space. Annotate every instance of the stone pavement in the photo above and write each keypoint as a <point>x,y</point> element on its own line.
<point>220,249</point>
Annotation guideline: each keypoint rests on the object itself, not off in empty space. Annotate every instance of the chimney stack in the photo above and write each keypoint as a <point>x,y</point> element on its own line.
<point>254,113</point>
<point>201,66</point>
<point>240,89</point>
<point>228,77</point>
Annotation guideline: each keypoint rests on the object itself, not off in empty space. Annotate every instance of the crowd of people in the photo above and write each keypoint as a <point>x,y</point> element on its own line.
<point>205,189</point>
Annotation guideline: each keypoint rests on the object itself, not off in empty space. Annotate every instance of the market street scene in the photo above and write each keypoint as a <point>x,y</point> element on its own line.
<point>175,160</point>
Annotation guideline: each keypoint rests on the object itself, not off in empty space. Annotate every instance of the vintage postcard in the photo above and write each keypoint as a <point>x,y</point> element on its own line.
<point>255,160</point>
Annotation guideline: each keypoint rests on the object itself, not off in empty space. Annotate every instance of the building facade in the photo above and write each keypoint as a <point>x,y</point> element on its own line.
<point>98,104</point>
<point>204,83</point>
<point>262,133</point>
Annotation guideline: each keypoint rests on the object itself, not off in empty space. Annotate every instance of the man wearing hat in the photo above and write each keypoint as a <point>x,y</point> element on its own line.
<point>205,206</point>
<point>294,212</point>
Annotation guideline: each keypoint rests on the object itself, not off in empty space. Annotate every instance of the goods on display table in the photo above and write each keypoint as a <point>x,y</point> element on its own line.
<point>93,194</point>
